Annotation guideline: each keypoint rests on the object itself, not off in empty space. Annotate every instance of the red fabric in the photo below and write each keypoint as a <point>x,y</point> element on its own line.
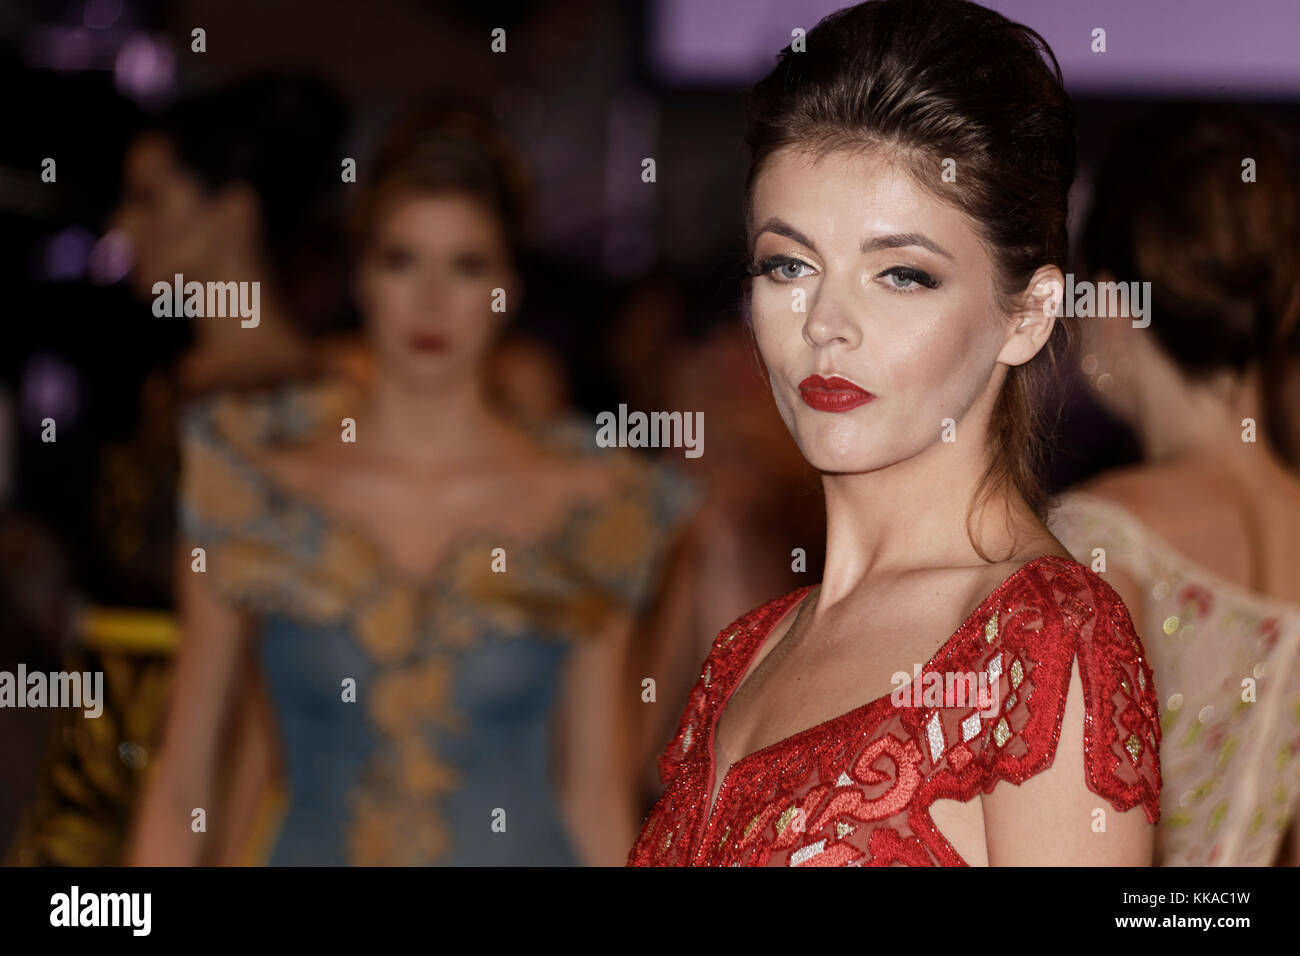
<point>856,789</point>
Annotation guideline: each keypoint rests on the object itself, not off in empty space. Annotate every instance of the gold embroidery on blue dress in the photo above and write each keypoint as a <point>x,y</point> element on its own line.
<point>270,550</point>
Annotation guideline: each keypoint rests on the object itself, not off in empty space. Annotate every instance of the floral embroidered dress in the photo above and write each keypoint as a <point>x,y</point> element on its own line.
<point>856,790</point>
<point>1227,662</point>
<point>455,677</point>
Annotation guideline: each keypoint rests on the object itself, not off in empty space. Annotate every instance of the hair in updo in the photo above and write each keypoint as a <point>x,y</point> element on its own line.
<point>1222,254</point>
<point>930,80</point>
<point>272,133</point>
<point>449,143</point>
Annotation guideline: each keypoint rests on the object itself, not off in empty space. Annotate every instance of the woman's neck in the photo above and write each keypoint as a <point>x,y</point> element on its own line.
<point>430,429</point>
<point>914,514</point>
<point>225,353</point>
<point>1203,421</point>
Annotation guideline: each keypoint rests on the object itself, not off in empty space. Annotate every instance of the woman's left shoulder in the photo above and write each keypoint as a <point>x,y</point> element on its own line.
<point>1067,616</point>
<point>1077,610</point>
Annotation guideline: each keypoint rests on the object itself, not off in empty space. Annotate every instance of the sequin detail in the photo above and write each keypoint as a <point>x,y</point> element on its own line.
<point>934,730</point>
<point>1002,731</point>
<point>855,790</point>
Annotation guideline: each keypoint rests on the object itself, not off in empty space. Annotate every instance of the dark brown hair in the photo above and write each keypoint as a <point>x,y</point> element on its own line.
<point>947,79</point>
<point>1222,254</point>
<point>448,143</point>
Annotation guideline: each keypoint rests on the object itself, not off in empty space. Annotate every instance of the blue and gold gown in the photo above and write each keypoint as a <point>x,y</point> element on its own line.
<point>456,677</point>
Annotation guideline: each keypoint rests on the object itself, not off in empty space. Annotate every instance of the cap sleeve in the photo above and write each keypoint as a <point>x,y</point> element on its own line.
<point>222,505</point>
<point>619,545</point>
<point>1069,615</point>
<point>667,499</point>
<point>1122,728</point>
<point>220,497</point>
<point>263,550</point>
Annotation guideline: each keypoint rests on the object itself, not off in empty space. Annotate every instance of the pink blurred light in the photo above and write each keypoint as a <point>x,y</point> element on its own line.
<point>145,68</point>
<point>110,259</point>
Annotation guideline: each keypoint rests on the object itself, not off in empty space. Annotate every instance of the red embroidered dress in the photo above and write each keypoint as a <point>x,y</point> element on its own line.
<point>856,789</point>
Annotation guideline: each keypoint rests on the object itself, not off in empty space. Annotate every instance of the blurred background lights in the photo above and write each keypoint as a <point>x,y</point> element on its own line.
<point>110,259</point>
<point>67,254</point>
<point>64,48</point>
<point>101,14</point>
<point>49,390</point>
<point>145,68</point>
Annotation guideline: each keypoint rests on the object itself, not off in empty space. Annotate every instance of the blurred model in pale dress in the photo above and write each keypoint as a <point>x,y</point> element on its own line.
<point>1202,538</point>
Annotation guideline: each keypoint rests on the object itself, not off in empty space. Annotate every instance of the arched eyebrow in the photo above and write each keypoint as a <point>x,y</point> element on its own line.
<point>901,239</point>
<point>896,240</point>
<point>783,228</point>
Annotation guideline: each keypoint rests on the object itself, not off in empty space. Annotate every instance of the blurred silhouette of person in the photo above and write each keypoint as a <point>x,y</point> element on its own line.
<point>37,609</point>
<point>760,529</point>
<point>678,343</point>
<point>233,184</point>
<point>1202,538</point>
<point>441,598</point>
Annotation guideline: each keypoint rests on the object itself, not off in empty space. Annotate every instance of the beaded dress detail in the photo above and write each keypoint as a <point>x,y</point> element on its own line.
<point>856,790</point>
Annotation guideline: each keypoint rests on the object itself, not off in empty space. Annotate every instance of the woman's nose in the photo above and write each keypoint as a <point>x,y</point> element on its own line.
<point>832,318</point>
<point>432,290</point>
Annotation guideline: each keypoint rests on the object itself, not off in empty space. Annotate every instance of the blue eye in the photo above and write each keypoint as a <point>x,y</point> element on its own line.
<point>779,268</point>
<point>905,278</point>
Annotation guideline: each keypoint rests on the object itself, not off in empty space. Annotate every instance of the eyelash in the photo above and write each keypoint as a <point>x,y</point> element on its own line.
<point>918,277</point>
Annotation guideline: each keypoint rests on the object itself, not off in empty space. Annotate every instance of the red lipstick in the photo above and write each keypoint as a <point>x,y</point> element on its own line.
<point>832,394</point>
<point>426,342</point>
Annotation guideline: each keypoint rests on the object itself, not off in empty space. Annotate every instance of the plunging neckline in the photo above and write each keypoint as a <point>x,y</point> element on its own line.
<point>252,460</point>
<point>718,786</point>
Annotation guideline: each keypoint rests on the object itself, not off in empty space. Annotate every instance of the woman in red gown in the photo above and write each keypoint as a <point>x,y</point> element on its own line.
<point>906,211</point>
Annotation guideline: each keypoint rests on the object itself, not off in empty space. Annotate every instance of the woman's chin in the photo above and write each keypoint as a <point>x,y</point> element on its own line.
<point>838,460</point>
<point>833,447</point>
<point>421,371</point>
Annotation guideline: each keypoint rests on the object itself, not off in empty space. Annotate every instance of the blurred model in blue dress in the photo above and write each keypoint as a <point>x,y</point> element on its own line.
<point>441,599</point>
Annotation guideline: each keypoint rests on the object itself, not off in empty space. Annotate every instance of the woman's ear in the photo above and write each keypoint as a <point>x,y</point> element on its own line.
<point>1035,316</point>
